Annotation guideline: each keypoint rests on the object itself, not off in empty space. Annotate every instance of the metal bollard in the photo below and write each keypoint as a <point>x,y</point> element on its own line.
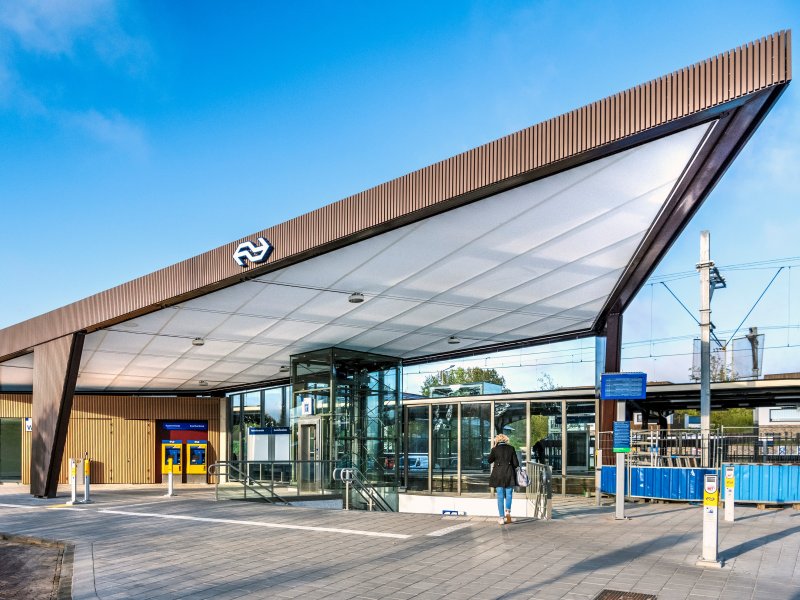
<point>86,478</point>
<point>347,495</point>
<point>73,480</point>
<point>710,522</point>
<point>730,497</point>
<point>170,488</point>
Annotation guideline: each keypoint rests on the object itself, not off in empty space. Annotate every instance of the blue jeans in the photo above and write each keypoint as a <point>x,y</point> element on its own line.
<point>501,492</point>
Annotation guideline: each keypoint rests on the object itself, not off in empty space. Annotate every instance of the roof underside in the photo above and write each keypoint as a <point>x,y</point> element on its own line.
<point>534,237</point>
<point>532,262</point>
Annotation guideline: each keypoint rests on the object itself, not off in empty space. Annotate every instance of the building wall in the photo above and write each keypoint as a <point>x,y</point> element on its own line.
<point>118,432</point>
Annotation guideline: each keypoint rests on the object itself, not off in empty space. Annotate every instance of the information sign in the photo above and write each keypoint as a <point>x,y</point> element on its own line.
<point>622,436</point>
<point>729,481</point>
<point>623,386</point>
<point>710,491</point>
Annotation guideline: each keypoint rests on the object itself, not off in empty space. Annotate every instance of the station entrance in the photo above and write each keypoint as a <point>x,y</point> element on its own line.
<point>345,414</point>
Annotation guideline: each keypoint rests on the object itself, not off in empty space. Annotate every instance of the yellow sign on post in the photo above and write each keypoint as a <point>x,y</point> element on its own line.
<point>711,498</point>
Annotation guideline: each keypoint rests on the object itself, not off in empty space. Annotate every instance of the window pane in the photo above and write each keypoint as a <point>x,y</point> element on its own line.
<point>445,447</point>
<point>475,445</point>
<point>417,449</point>
<point>546,434</point>
<point>276,409</point>
<point>580,438</point>
<point>509,418</point>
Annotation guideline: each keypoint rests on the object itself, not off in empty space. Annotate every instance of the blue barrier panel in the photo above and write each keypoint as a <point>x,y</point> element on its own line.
<point>667,483</point>
<point>608,479</point>
<point>778,484</point>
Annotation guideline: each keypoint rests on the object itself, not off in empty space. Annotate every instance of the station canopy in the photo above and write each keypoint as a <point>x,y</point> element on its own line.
<point>542,259</point>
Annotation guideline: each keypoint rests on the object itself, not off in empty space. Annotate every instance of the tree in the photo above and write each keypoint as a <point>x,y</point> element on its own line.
<point>463,375</point>
<point>546,382</point>
<point>720,371</point>
<point>729,417</point>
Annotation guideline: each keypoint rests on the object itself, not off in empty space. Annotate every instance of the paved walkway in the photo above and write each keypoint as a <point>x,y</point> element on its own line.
<point>134,543</point>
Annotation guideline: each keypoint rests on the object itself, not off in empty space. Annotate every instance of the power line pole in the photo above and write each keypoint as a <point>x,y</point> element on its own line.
<point>710,280</point>
<point>704,266</point>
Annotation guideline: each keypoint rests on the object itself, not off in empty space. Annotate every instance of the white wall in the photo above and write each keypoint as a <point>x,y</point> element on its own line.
<point>486,507</point>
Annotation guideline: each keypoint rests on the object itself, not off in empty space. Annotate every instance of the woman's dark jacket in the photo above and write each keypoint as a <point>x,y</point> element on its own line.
<point>505,462</point>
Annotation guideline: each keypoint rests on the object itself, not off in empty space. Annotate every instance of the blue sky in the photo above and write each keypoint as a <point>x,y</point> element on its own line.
<point>135,135</point>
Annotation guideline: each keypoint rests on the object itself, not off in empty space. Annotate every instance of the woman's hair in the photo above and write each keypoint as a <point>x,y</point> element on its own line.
<point>501,438</point>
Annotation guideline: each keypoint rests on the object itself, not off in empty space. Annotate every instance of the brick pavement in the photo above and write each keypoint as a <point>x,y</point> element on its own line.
<point>31,569</point>
<point>135,544</point>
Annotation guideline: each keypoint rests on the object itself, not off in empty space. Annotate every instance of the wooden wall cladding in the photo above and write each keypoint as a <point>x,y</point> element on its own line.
<point>118,432</point>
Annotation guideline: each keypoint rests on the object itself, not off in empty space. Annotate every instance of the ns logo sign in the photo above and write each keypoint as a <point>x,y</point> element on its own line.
<point>254,253</point>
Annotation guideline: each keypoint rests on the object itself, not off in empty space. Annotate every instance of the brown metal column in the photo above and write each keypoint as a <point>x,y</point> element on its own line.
<point>55,371</point>
<point>613,363</point>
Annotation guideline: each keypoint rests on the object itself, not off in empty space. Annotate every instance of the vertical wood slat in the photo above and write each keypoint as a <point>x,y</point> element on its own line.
<point>118,432</point>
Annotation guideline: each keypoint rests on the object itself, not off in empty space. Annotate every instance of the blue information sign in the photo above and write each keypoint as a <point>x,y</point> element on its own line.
<point>623,386</point>
<point>622,436</point>
<point>185,426</point>
<point>268,430</point>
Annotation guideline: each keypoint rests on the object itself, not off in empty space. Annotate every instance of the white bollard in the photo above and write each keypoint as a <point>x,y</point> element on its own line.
<point>170,488</point>
<point>710,522</point>
<point>730,497</point>
<point>73,481</point>
<point>86,478</point>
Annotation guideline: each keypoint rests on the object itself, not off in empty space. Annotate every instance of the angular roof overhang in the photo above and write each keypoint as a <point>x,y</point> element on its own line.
<point>534,237</point>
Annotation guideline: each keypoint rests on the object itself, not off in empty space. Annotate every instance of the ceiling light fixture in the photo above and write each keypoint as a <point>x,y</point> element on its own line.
<point>203,383</point>
<point>198,342</point>
<point>356,298</point>
<point>284,369</point>
<point>453,340</point>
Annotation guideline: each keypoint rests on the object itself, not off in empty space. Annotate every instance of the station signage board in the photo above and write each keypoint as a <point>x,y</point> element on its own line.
<point>185,426</point>
<point>623,386</point>
<point>622,436</point>
<point>268,431</point>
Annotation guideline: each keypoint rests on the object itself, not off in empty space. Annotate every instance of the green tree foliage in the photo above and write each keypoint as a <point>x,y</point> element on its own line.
<point>730,417</point>
<point>463,375</point>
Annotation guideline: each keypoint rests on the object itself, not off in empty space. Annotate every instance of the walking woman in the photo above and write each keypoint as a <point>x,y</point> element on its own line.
<point>504,474</point>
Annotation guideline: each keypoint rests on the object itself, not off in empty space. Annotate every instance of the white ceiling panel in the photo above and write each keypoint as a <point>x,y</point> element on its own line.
<point>529,262</point>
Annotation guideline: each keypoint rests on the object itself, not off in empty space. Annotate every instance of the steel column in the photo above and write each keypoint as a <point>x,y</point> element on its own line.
<point>55,372</point>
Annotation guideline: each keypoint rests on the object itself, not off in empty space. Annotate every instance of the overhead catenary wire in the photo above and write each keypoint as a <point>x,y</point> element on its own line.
<point>754,305</point>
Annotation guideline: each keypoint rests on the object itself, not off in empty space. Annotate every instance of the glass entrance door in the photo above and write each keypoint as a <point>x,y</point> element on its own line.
<point>11,449</point>
<point>309,469</point>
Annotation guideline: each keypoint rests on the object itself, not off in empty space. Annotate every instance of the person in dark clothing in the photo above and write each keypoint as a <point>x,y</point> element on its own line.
<point>504,474</point>
<point>539,453</point>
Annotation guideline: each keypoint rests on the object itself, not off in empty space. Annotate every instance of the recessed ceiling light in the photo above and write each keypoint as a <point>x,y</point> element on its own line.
<point>284,369</point>
<point>453,340</point>
<point>198,342</point>
<point>356,298</point>
<point>203,383</point>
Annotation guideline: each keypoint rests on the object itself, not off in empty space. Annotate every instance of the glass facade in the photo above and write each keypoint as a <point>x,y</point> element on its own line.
<point>447,445</point>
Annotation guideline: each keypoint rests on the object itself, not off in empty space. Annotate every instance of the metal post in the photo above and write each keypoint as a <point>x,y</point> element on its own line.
<point>73,480</point>
<point>710,522</point>
<point>729,493</point>
<point>598,473</point>
<point>347,494</point>
<point>170,488</point>
<point>86,477</point>
<point>704,267</point>
<point>619,510</point>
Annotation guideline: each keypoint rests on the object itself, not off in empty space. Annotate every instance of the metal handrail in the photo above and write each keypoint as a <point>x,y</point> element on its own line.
<point>244,479</point>
<point>539,493</point>
<point>351,476</point>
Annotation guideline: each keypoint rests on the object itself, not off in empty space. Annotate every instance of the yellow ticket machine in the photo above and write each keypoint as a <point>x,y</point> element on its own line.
<point>173,451</point>
<point>196,465</point>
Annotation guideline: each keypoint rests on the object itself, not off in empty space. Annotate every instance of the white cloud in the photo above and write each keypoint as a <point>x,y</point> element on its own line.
<point>110,129</point>
<point>87,34</point>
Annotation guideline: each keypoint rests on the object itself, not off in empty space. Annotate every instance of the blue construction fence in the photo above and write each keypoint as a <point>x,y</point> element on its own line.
<point>771,484</point>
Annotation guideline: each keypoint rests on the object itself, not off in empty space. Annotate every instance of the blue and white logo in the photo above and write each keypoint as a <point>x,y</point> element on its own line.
<point>255,254</point>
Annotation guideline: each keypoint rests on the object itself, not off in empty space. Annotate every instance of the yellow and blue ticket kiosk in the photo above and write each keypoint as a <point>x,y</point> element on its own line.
<point>196,465</point>
<point>171,450</point>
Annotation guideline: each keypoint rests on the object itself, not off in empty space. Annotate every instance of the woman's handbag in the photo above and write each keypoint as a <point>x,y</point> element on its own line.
<point>522,477</point>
